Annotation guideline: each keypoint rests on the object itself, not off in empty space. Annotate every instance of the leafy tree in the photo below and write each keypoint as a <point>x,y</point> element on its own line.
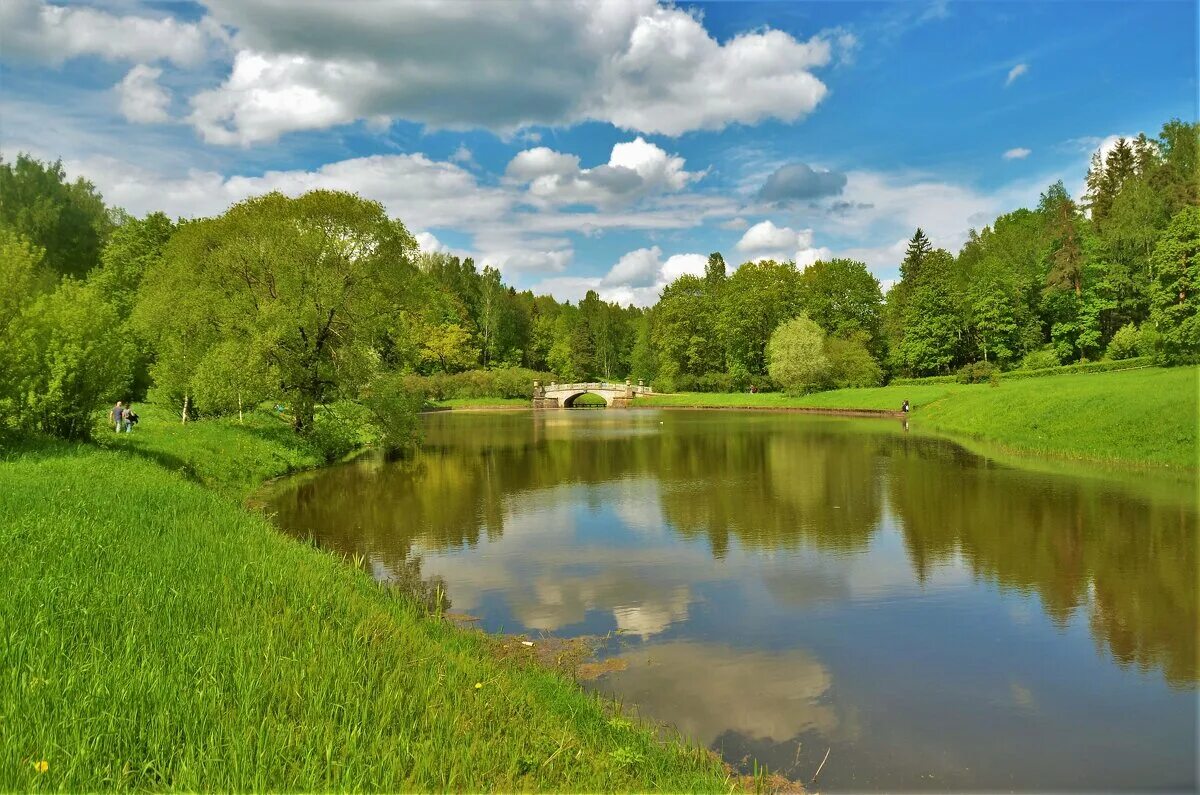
<point>67,220</point>
<point>1175,303</point>
<point>918,249</point>
<point>25,279</point>
<point>932,325</point>
<point>1065,255</point>
<point>796,355</point>
<point>313,284</point>
<point>715,272</point>
<point>756,299</point>
<point>1124,344</point>
<point>448,346</point>
<point>685,331</point>
<point>77,359</point>
<point>843,298</point>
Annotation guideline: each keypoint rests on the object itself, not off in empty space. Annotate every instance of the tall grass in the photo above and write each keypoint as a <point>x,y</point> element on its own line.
<point>155,635</point>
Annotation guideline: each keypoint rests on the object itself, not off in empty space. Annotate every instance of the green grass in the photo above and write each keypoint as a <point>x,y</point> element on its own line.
<point>228,456</point>
<point>156,635</point>
<point>887,398</point>
<point>1146,416</point>
<point>1141,417</point>
<point>482,403</point>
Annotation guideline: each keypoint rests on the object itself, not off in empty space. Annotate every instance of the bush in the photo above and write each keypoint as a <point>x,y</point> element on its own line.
<point>339,429</point>
<point>1040,359</point>
<point>73,356</point>
<point>507,382</point>
<point>1124,344</point>
<point>851,364</point>
<point>1149,341</point>
<point>393,411</point>
<point>978,373</point>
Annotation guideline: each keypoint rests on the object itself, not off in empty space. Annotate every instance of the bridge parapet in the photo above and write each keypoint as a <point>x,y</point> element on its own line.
<point>556,395</point>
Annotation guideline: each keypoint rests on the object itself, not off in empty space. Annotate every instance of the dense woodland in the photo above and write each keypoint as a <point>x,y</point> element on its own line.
<point>323,300</point>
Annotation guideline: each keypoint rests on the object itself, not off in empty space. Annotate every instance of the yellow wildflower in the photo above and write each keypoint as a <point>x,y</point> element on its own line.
<point>41,766</point>
<point>478,685</point>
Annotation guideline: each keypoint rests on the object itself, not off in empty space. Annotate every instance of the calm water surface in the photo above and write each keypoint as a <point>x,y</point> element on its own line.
<point>781,585</point>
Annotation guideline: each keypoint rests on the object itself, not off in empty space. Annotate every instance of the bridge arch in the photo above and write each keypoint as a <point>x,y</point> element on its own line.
<point>568,402</point>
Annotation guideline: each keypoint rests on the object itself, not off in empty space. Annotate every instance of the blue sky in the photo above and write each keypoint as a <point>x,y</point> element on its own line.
<point>599,145</point>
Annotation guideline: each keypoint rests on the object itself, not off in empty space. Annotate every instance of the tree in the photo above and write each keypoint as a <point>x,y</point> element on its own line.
<point>67,220</point>
<point>932,324</point>
<point>1065,255</point>
<point>796,355</point>
<point>491,309</point>
<point>715,272</point>
<point>843,298</point>
<point>756,299</point>
<point>78,359</point>
<point>447,345</point>
<point>918,249</point>
<point>313,284</point>
<point>25,279</point>
<point>1175,302</point>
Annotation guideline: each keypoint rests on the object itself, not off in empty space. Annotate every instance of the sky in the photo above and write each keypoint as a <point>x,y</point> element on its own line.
<point>599,144</point>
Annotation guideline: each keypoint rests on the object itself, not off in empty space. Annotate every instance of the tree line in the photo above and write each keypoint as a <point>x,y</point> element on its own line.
<point>323,300</point>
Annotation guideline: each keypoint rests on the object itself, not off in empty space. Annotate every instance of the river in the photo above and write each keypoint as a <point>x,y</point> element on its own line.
<point>780,587</point>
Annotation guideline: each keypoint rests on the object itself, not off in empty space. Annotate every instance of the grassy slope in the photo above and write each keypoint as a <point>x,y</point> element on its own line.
<point>157,635</point>
<point>1145,416</point>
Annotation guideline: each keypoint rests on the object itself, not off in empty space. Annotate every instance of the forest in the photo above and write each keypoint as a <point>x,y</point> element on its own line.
<point>325,306</point>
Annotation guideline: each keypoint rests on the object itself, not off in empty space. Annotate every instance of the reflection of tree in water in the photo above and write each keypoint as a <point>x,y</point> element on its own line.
<point>773,487</point>
<point>782,482</point>
<point>1073,541</point>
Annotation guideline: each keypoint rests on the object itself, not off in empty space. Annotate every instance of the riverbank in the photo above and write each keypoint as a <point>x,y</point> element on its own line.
<point>161,636</point>
<point>1144,417</point>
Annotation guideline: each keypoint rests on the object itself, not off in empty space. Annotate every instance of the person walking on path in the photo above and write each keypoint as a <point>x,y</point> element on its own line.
<point>904,408</point>
<point>117,415</point>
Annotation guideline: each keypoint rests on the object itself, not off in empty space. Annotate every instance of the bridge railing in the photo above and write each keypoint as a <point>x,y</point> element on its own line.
<point>599,385</point>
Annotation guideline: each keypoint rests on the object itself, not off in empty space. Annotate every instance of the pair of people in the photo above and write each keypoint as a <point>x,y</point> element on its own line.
<point>123,417</point>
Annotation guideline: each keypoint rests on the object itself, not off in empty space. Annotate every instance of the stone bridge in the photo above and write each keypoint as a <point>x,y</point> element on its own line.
<point>562,396</point>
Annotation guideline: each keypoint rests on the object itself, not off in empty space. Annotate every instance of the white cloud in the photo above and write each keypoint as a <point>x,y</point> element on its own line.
<point>637,278</point>
<point>429,243</point>
<point>1018,153</point>
<point>637,64</point>
<point>56,33</point>
<point>1015,72</point>
<point>463,155</point>
<point>142,99</point>
<point>635,169</point>
<point>765,240</point>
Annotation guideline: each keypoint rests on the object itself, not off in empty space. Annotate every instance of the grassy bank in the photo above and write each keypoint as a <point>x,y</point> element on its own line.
<point>482,403</point>
<point>156,635</point>
<point>1141,417</point>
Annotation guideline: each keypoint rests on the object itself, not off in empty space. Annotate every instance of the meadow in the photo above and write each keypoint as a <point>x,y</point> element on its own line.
<point>158,635</point>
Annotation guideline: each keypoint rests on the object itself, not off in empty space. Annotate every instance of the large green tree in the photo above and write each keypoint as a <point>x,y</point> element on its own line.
<point>312,284</point>
<point>1175,302</point>
<point>67,220</point>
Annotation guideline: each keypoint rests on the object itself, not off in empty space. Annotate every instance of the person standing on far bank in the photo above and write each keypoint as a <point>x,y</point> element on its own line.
<point>117,415</point>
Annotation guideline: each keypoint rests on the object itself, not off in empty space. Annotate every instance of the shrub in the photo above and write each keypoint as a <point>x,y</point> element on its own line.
<point>1039,359</point>
<point>393,412</point>
<point>978,373</point>
<point>73,356</point>
<point>1149,341</point>
<point>850,363</point>
<point>1124,344</point>
<point>339,429</point>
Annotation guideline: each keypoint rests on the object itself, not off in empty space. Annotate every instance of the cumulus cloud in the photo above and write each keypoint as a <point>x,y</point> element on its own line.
<point>799,181</point>
<point>1015,72</point>
<point>634,169</point>
<point>637,64</point>
<point>1018,153</point>
<point>55,33</point>
<point>637,278</point>
<point>765,240</point>
<point>141,98</point>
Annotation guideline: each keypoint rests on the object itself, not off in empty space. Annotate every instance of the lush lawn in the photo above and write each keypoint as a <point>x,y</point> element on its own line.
<point>156,635</point>
<point>1146,416</point>
<point>483,403</point>
<point>888,398</point>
